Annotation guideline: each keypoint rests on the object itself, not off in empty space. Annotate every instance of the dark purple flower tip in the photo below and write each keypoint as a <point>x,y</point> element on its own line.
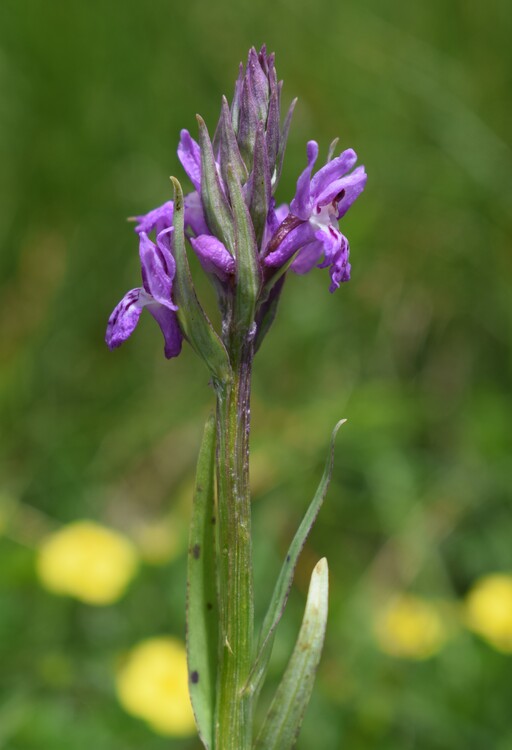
<point>213,256</point>
<point>257,101</point>
<point>257,75</point>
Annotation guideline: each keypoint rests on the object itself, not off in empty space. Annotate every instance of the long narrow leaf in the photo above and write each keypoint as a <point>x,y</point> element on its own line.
<point>285,579</point>
<point>284,718</point>
<point>202,612</point>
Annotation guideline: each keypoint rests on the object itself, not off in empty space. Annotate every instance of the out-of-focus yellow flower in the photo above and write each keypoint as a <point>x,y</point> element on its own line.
<point>160,541</point>
<point>87,561</point>
<point>410,628</point>
<point>488,610</point>
<point>153,685</point>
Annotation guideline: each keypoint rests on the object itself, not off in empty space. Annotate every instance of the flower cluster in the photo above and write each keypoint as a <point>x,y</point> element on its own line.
<point>244,242</point>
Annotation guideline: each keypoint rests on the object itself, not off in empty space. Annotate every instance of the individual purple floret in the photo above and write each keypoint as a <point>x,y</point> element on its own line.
<point>213,256</point>
<point>158,269</point>
<point>319,202</point>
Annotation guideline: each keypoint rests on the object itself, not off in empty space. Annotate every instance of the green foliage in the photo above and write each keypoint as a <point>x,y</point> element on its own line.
<point>283,721</point>
<point>285,579</point>
<point>202,614</point>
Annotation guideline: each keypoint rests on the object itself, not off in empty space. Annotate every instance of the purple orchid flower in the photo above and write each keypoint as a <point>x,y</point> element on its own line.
<point>312,226</point>
<point>158,270</point>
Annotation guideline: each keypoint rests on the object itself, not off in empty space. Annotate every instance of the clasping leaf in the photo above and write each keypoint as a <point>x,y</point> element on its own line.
<point>284,718</point>
<point>202,614</point>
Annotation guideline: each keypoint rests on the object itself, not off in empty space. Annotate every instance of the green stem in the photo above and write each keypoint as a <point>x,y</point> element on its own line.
<point>233,713</point>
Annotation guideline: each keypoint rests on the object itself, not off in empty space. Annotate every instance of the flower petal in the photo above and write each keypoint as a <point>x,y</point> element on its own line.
<point>156,220</point>
<point>340,268</point>
<point>308,257</point>
<point>158,268</point>
<point>275,217</point>
<point>332,171</point>
<point>295,239</point>
<point>353,187</point>
<point>301,205</point>
<point>189,155</point>
<point>168,322</point>
<point>194,214</point>
<point>125,317</point>
<point>330,238</point>
<point>213,256</point>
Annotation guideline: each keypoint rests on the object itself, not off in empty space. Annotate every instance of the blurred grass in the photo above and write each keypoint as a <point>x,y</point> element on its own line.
<point>415,351</point>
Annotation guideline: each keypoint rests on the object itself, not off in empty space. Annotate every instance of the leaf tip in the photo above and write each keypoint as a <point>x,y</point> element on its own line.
<point>321,568</point>
<point>178,193</point>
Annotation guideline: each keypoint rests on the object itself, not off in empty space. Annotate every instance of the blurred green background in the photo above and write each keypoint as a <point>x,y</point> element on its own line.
<point>415,352</point>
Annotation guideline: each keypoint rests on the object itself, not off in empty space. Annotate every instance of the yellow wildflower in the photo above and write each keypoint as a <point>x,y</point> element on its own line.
<point>488,610</point>
<point>153,685</point>
<point>87,561</point>
<point>410,628</point>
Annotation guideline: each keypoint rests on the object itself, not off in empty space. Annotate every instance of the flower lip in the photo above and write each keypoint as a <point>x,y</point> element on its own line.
<point>158,269</point>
